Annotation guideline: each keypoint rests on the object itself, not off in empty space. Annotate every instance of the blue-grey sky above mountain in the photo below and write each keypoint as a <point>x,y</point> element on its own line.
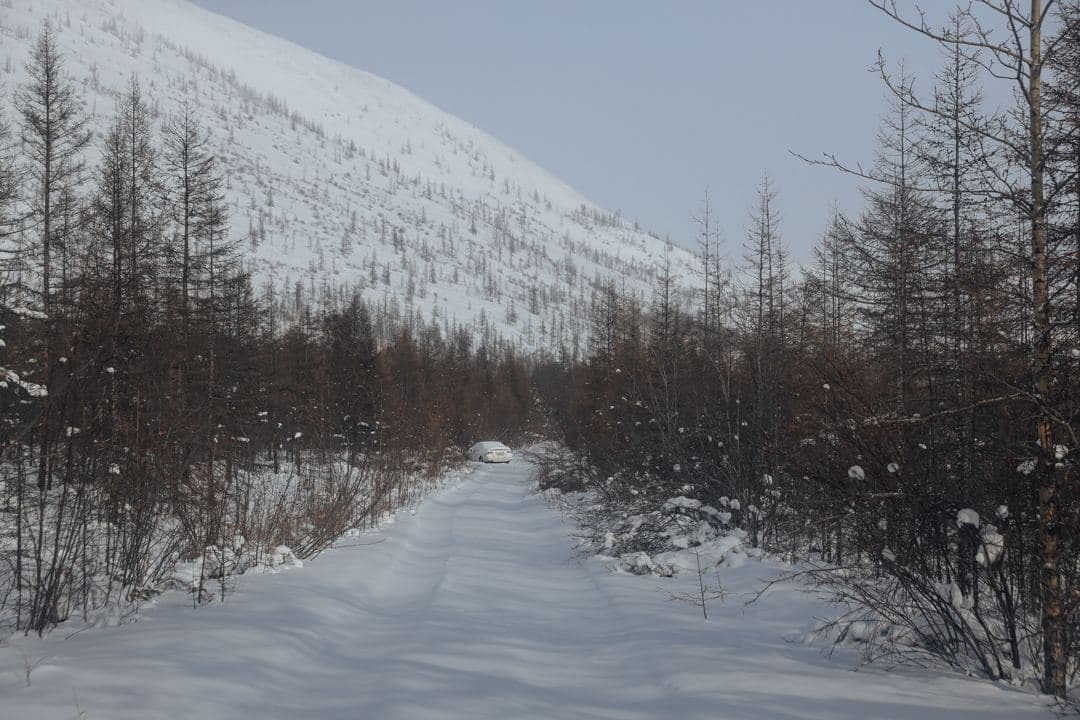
<point>640,105</point>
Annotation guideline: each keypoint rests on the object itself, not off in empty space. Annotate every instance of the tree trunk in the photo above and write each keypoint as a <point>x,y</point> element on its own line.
<point>1051,469</point>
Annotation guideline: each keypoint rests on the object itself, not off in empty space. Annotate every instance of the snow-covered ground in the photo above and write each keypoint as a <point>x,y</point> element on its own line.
<point>476,606</point>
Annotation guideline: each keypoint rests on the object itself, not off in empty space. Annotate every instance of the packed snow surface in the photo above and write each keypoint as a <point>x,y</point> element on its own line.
<point>473,606</point>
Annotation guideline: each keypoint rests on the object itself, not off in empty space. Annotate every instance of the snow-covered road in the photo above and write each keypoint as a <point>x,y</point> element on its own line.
<point>476,606</point>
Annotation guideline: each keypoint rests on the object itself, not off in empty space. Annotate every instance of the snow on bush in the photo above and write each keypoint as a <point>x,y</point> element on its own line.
<point>283,556</point>
<point>188,573</point>
<point>865,630</point>
<point>638,563</point>
<point>680,503</point>
<point>682,537</point>
<point>721,517</point>
<point>609,540</point>
<point>967,516</point>
<point>726,551</point>
<point>991,546</point>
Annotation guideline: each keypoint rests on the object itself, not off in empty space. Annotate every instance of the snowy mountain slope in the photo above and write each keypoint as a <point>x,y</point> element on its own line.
<point>473,606</point>
<point>339,180</point>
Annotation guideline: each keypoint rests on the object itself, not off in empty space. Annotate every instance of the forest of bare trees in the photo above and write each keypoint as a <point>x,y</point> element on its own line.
<point>156,413</point>
<point>903,412</point>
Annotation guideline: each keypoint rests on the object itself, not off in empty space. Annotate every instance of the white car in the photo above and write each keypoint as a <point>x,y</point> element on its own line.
<point>490,451</point>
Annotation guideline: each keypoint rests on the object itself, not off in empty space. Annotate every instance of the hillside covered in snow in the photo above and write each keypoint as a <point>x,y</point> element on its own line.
<point>339,181</point>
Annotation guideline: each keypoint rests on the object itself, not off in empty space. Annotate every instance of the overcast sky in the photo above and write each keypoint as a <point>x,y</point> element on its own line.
<point>639,104</point>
